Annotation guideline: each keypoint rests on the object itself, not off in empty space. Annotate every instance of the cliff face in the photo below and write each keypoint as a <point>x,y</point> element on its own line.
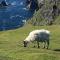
<point>49,9</point>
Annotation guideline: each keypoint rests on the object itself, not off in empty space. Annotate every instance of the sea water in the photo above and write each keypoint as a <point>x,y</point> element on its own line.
<point>14,15</point>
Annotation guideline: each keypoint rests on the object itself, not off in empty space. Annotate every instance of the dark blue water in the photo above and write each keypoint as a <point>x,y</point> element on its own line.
<point>14,15</point>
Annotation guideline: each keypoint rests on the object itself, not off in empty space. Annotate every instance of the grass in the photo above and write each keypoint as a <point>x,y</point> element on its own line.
<point>11,44</point>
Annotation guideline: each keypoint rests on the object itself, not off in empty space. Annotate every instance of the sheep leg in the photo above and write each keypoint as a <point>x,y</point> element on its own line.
<point>34,44</point>
<point>47,44</point>
<point>38,44</point>
<point>44,44</point>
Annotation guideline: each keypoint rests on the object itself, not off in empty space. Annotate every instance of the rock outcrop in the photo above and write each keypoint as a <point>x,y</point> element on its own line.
<point>32,4</point>
<point>3,3</point>
<point>35,4</point>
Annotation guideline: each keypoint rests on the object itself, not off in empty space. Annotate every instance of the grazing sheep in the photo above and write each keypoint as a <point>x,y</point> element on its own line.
<point>39,36</point>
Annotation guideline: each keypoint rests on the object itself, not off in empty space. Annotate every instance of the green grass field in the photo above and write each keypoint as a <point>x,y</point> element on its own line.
<point>11,44</point>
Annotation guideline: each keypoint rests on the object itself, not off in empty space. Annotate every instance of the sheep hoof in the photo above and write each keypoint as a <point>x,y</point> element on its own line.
<point>38,46</point>
<point>46,47</point>
<point>33,46</point>
<point>43,48</point>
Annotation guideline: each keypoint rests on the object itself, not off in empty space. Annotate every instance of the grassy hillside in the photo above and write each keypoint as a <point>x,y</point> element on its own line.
<point>11,44</point>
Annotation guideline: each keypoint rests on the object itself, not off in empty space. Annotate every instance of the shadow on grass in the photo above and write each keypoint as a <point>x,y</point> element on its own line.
<point>58,50</point>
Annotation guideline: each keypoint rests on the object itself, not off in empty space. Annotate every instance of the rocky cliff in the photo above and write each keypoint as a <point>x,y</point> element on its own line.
<point>32,4</point>
<point>48,9</point>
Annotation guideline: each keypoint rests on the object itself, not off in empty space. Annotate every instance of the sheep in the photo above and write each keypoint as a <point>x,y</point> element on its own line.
<point>41,35</point>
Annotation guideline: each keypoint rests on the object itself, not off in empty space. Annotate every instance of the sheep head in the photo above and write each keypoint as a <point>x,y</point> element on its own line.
<point>25,43</point>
